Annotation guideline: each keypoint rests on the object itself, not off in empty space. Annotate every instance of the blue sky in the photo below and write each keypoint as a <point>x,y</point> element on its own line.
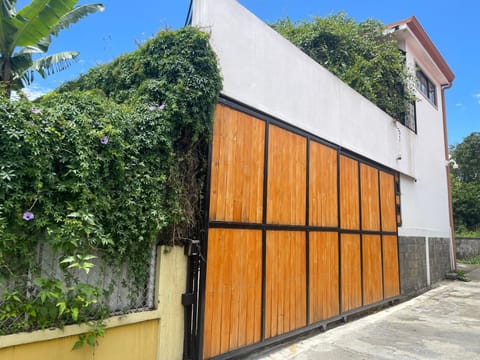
<point>452,26</point>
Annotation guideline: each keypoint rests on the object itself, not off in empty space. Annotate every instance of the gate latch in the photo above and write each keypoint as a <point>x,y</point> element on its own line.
<point>188,299</point>
<point>192,247</point>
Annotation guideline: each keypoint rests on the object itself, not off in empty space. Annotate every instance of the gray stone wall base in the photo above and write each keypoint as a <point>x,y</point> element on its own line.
<point>413,267</point>
<point>467,248</point>
<point>416,275</point>
<point>440,265</point>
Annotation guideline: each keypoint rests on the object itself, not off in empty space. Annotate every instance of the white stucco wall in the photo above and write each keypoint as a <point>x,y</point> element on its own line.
<point>425,209</point>
<point>262,69</point>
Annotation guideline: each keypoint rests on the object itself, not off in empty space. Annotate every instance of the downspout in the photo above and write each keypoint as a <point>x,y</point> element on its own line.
<point>450,206</point>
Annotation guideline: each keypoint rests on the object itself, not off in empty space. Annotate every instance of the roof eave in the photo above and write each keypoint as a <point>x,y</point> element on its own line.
<point>417,30</point>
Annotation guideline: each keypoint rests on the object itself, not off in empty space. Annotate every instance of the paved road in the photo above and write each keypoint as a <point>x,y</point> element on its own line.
<point>443,323</point>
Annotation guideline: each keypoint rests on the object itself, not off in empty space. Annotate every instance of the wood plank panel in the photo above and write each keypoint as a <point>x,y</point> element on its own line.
<point>387,202</point>
<point>286,195</point>
<point>390,266</point>
<point>323,186</point>
<point>372,269</point>
<point>213,295</point>
<point>285,282</point>
<point>349,200</point>
<point>236,186</point>
<point>323,267</point>
<point>360,195</point>
<point>351,272</point>
<point>369,198</point>
<point>233,290</point>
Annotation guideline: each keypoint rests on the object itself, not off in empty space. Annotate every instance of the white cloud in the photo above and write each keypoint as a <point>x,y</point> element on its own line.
<point>477,97</point>
<point>32,92</point>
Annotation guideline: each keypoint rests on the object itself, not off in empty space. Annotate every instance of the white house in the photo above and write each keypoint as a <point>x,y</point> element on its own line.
<point>287,96</point>
<point>426,200</point>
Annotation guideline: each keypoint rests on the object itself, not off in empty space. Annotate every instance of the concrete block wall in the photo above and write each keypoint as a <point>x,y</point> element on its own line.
<point>413,267</point>
<point>467,248</point>
<point>423,262</point>
<point>439,251</point>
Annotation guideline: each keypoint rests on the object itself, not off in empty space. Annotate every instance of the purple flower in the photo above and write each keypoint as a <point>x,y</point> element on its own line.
<point>104,140</point>
<point>153,107</point>
<point>27,216</point>
<point>36,111</point>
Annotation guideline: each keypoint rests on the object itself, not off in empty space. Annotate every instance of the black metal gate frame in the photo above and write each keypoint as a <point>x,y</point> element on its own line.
<point>198,263</point>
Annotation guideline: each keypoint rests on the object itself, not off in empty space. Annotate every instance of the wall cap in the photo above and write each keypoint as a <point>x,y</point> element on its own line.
<point>76,329</point>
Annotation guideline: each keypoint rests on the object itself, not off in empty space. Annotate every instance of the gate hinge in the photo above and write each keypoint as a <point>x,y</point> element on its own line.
<point>188,299</point>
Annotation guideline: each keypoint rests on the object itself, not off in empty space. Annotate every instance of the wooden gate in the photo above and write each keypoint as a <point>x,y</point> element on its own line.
<point>300,233</point>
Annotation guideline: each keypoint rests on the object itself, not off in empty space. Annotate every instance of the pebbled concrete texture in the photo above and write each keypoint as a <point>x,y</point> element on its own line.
<point>443,323</point>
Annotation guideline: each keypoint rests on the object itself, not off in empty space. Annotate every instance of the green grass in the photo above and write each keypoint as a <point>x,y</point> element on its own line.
<point>461,276</point>
<point>474,261</point>
<point>467,234</point>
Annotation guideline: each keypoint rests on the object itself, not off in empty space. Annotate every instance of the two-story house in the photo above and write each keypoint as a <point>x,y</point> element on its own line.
<point>320,205</point>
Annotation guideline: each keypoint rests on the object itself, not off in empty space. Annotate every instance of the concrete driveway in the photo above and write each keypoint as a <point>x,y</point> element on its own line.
<point>443,323</point>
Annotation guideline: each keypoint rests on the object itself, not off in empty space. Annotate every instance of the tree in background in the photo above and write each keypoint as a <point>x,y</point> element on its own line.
<point>30,31</point>
<point>361,55</point>
<point>467,156</point>
<point>465,181</point>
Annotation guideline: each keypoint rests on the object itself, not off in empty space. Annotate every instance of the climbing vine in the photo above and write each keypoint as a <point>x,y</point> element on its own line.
<point>109,164</point>
<point>360,54</point>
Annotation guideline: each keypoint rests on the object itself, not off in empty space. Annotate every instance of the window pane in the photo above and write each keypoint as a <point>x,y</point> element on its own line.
<point>432,93</point>
<point>426,87</point>
<point>410,117</point>
<point>421,82</point>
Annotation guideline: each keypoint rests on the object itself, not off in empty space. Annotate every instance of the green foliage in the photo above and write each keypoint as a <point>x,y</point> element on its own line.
<point>29,31</point>
<point>467,157</point>
<point>466,205</point>
<point>465,182</point>
<point>50,303</point>
<point>110,164</point>
<point>473,261</point>
<point>462,276</point>
<point>463,232</point>
<point>90,338</point>
<point>79,261</point>
<point>359,54</point>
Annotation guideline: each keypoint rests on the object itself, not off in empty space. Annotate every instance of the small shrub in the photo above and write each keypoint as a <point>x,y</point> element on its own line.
<point>462,276</point>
